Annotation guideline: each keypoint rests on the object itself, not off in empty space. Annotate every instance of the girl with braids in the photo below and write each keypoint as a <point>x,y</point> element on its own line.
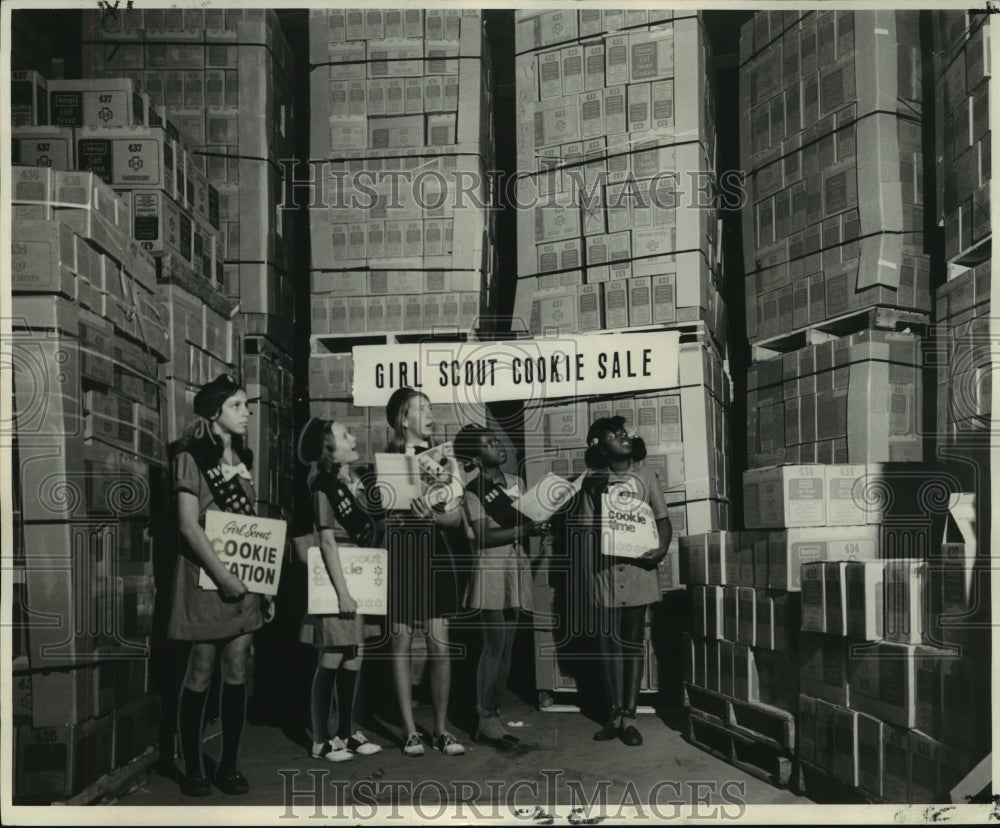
<point>501,585</point>
<point>340,499</point>
<point>212,471</point>
<point>425,544</point>
<point>621,588</point>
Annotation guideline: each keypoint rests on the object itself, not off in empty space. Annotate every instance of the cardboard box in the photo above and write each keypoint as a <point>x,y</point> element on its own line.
<point>870,759</point>
<point>789,550</point>
<point>723,559</point>
<point>823,668</point>
<point>934,767</point>
<point>29,104</point>
<point>813,597</point>
<point>905,600</point>
<point>806,728</point>
<point>43,146</point>
<point>746,682</point>
<point>864,600</point>
<point>778,676</point>
<point>846,487</point>
<point>953,574</point>
<point>731,616</point>
<point>784,496</point>
<point>639,301</point>
<point>55,763</point>
<point>835,597</point>
<point>727,676</point>
<point>711,679</point>
<point>895,764</point>
<point>883,681</point>
<point>106,102</point>
<point>747,611</point>
<point>844,758</point>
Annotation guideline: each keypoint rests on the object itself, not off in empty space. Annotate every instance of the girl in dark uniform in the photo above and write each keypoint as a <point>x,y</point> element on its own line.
<point>501,584</point>
<point>341,501</point>
<point>212,471</point>
<point>425,588</point>
<point>621,588</point>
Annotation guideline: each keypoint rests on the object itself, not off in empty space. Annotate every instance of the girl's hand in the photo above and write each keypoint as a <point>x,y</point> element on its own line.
<point>232,588</point>
<point>540,529</point>
<point>348,606</point>
<point>450,518</point>
<point>269,610</point>
<point>420,508</point>
<point>651,558</point>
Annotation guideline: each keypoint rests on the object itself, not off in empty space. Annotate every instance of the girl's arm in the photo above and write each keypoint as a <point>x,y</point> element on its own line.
<point>665,531</point>
<point>231,587</point>
<point>331,560</point>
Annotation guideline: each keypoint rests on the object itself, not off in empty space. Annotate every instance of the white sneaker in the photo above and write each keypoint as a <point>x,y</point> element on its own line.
<point>332,751</point>
<point>360,745</point>
<point>414,746</point>
<point>448,744</point>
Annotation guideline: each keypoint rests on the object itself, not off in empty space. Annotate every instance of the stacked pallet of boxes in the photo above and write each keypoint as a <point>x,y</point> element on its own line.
<point>224,81</point>
<point>890,670</point>
<point>402,240</point>
<point>616,148</point>
<point>31,47</point>
<point>89,421</point>
<point>830,138</point>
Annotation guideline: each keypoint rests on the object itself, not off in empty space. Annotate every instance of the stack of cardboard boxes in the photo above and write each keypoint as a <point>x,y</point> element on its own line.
<point>830,137</point>
<point>224,80</point>
<point>402,234</point>
<point>617,222</point>
<point>89,340</point>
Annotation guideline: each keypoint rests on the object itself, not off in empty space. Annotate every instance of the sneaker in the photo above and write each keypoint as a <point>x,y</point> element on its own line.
<point>360,745</point>
<point>332,751</point>
<point>413,746</point>
<point>448,744</point>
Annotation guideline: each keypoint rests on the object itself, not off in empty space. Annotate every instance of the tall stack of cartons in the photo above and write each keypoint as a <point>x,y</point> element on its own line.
<point>31,47</point>
<point>617,229</point>
<point>891,697</point>
<point>617,225</point>
<point>830,137</point>
<point>89,341</point>
<point>224,80</point>
<point>402,234</point>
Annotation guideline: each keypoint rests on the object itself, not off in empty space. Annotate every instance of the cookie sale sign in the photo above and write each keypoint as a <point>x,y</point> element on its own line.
<point>530,369</point>
<point>250,547</point>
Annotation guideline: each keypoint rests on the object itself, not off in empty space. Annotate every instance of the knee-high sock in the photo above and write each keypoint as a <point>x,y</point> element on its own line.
<point>233,713</point>
<point>190,728</point>
<point>510,617</point>
<point>490,659</point>
<point>347,682</point>
<point>632,635</point>
<point>321,699</point>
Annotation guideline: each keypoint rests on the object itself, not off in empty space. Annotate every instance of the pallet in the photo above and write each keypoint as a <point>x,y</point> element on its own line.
<point>113,785</point>
<point>760,722</point>
<point>887,319</point>
<point>757,758</point>
<point>820,785</point>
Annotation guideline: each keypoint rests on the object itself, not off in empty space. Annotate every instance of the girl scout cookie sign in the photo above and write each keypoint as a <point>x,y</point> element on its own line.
<point>530,369</point>
<point>364,572</point>
<point>250,547</point>
<point>628,527</point>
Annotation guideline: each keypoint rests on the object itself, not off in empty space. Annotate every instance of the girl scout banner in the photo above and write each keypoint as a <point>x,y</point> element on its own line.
<point>364,572</point>
<point>250,547</point>
<point>530,369</point>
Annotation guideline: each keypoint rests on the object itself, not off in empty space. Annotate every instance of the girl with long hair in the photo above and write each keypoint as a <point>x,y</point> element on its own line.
<point>425,545</point>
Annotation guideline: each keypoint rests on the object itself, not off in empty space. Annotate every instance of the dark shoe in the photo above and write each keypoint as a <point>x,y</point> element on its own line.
<point>612,728</point>
<point>196,786</point>
<point>233,783</point>
<point>630,733</point>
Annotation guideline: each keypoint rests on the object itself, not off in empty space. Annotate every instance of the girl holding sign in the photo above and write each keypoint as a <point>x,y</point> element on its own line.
<point>424,543</point>
<point>212,471</point>
<point>341,498</point>
<point>501,585</point>
<point>622,499</point>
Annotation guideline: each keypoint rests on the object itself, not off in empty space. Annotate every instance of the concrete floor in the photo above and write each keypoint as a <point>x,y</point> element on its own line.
<point>556,760</point>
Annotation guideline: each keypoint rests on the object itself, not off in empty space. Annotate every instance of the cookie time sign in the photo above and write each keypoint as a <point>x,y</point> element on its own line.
<point>248,546</point>
<point>564,366</point>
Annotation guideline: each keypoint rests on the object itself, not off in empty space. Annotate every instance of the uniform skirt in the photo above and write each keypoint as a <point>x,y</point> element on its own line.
<point>198,614</point>
<point>426,569</point>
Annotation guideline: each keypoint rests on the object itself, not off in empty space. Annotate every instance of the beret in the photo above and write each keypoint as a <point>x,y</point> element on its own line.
<point>208,401</point>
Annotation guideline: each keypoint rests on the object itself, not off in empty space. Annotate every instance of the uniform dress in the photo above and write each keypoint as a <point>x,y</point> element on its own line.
<point>335,630</point>
<point>425,561</point>
<point>620,582</point>
<point>501,578</point>
<point>200,614</point>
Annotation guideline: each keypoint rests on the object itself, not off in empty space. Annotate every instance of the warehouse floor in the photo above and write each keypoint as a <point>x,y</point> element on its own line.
<point>550,742</point>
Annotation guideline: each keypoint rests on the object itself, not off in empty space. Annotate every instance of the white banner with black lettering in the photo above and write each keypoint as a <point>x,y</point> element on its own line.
<point>250,547</point>
<point>529,369</point>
